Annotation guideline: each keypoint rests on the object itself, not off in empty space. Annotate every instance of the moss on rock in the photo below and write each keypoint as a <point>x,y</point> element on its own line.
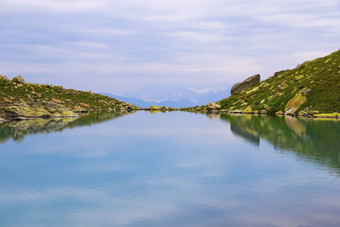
<point>294,104</point>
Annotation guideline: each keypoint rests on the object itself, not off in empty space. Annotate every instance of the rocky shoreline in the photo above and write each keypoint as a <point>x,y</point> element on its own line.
<point>215,108</point>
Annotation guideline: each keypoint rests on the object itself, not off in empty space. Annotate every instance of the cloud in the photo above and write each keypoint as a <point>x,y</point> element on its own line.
<point>63,6</point>
<point>184,42</point>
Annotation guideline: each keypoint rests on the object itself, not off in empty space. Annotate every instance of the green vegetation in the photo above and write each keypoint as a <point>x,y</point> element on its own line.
<point>317,83</point>
<point>311,89</point>
<point>303,137</point>
<point>155,109</point>
<point>20,99</point>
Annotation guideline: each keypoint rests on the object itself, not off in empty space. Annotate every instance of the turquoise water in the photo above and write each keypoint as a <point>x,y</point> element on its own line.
<point>170,169</point>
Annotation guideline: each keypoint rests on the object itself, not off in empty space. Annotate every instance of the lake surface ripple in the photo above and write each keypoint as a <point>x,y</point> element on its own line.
<point>170,169</point>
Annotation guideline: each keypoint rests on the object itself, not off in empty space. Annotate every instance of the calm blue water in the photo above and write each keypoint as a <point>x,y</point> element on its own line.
<point>170,169</point>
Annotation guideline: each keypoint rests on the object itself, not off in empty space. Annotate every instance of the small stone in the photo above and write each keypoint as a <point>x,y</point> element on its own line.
<point>56,101</point>
<point>282,86</point>
<point>306,90</point>
<point>279,113</point>
<point>7,100</point>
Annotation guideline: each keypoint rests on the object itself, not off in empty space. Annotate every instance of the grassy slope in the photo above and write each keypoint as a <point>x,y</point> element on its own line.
<point>321,75</point>
<point>69,97</point>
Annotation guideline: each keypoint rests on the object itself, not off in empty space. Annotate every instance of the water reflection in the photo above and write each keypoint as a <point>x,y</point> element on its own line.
<point>172,169</point>
<point>18,130</point>
<point>317,140</point>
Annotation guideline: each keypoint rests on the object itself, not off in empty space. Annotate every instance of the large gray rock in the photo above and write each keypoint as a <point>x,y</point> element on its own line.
<point>239,87</point>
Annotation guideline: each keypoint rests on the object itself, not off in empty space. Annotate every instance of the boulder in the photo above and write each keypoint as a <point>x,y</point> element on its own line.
<point>279,113</point>
<point>239,87</point>
<point>294,104</point>
<point>154,107</point>
<point>263,112</point>
<point>18,79</point>
<point>248,110</point>
<point>213,105</point>
<point>3,77</point>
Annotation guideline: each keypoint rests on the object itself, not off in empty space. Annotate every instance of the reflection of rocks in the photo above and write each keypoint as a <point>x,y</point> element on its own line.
<point>296,125</point>
<point>17,130</point>
<point>249,135</point>
<point>314,140</point>
<point>242,128</point>
<point>156,109</point>
<point>213,115</point>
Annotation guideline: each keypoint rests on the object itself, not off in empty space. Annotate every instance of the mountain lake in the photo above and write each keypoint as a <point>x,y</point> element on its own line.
<point>170,169</point>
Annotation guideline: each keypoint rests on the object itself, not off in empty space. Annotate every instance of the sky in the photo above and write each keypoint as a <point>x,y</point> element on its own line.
<point>130,47</point>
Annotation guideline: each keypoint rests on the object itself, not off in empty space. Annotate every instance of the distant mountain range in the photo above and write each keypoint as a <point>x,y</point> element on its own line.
<point>175,97</point>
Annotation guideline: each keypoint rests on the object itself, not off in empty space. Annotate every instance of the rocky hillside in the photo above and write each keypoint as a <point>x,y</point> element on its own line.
<point>311,89</point>
<point>20,100</point>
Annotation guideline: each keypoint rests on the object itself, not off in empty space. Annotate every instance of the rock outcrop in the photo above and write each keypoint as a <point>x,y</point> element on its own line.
<point>294,104</point>
<point>239,87</point>
<point>18,79</point>
<point>213,107</point>
<point>19,109</point>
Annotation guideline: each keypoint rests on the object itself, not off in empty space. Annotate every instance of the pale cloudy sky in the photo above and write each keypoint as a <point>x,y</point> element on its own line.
<point>123,46</point>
